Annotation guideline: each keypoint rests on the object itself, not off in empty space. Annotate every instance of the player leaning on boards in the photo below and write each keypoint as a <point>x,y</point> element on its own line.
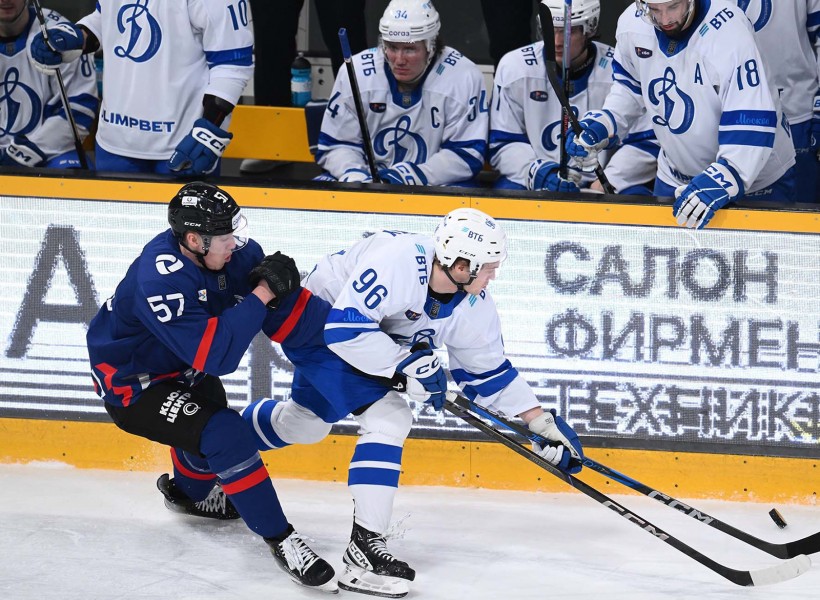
<point>389,293</point>
<point>695,67</point>
<point>173,73</point>
<point>525,114</point>
<point>34,131</point>
<point>786,32</point>
<point>425,105</point>
<point>184,314</point>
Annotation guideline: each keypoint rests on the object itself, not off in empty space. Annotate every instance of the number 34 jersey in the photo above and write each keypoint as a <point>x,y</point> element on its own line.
<point>382,306</point>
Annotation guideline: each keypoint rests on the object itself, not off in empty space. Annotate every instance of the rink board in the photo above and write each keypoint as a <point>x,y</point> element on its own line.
<point>437,462</point>
<point>697,351</point>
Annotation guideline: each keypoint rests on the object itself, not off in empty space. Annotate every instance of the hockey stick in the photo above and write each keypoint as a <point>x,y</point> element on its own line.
<point>563,167</point>
<point>548,32</point>
<point>367,143</point>
<point>806,545</point>
<point>788,569</point>
<point>78,145</point>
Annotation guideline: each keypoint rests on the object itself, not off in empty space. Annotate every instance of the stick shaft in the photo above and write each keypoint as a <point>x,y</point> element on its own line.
<point>461,407</point>
<point>367,143</point>
<point>545,16</point>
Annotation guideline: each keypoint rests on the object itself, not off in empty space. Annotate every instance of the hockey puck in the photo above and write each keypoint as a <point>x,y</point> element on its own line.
<point>777,518</point>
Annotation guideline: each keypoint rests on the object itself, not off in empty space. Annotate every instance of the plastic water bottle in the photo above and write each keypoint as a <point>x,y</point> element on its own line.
<point>98,68</point>
<point>300,83</point>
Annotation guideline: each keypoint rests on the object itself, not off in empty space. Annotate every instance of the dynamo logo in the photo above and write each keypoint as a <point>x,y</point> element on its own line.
<point>143,30</point>
<point>678,107</point>
<point>20,104</point>
<point>401,141</point>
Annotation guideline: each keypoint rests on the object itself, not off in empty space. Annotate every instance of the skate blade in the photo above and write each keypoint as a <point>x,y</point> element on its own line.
<point>356,579</point>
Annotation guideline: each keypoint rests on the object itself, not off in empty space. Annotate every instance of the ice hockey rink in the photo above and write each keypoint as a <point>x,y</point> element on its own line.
<point>71,534</point>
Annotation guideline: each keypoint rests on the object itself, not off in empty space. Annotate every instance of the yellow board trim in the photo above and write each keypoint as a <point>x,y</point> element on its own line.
<point>435,462</point>
<point>400,202</point>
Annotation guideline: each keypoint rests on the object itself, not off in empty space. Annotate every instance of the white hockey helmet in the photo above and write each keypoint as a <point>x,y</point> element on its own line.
<point>472,235</point>
<point>643,7</point>
<point>586,13</point>
<point>408,21</point>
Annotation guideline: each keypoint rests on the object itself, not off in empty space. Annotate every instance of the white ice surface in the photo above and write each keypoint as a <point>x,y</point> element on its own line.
<point>69,534</point>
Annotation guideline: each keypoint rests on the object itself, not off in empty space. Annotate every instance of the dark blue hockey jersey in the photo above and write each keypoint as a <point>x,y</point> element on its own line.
<point>171,319</point>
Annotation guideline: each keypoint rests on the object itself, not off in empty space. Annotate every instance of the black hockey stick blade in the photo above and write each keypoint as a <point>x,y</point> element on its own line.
<point>548,32</point>
<point>806,545</point>
<point>461,407</point>
<point>367,142</point>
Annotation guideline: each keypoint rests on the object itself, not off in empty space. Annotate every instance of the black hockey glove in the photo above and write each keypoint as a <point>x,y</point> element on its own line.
<point>279,272</point>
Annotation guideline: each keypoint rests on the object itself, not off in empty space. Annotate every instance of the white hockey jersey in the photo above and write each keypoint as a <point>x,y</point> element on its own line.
<point>161,57</point>
<point>525,118</point>
<point>786,33</point>
<point>381,307</point>
<point>707,94</point>
<point>30,101</point>
<point>441,126</point>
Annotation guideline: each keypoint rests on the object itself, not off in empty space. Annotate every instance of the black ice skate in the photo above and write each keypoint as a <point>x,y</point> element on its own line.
<point>301,563</point>
<point>215,506</point>
<point>371,569</point>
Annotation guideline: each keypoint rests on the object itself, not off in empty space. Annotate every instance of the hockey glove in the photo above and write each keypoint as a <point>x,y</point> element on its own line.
<point>544,175</point>
<point>564,451</point>
<point>65,44</point>
<point>696,203</point>
<point>356,176</point>
<point>815,127</point>
<point>598,133</point>
<point>199,152</point>
<point>279,272</point>
<point>22,152</point>
<point>403,173</point>
<point>425,377</point>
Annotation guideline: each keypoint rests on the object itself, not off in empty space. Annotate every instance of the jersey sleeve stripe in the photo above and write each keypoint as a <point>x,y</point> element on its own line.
<point>465,150</point>
<point>746,138</point>
<point>622,76</point>
<point>339,335</point>
<point>241,57</point>
<point>205,344</point>
<point>298,309</point>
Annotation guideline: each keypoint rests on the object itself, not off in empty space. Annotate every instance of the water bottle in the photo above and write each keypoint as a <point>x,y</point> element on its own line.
<point>98,68</point>
<point>300,84</point>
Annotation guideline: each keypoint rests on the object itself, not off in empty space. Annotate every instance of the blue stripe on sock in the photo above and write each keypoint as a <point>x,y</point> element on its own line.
<point>371,476</point>
<point>377,452</point>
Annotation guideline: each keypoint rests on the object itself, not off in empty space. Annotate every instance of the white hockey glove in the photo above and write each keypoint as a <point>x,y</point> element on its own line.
<point>566,453</point>
<point>65,45</point>
<point>696,203</point>
<point>199,152</point>
<point>356,176</point>
<point>598,133</point>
